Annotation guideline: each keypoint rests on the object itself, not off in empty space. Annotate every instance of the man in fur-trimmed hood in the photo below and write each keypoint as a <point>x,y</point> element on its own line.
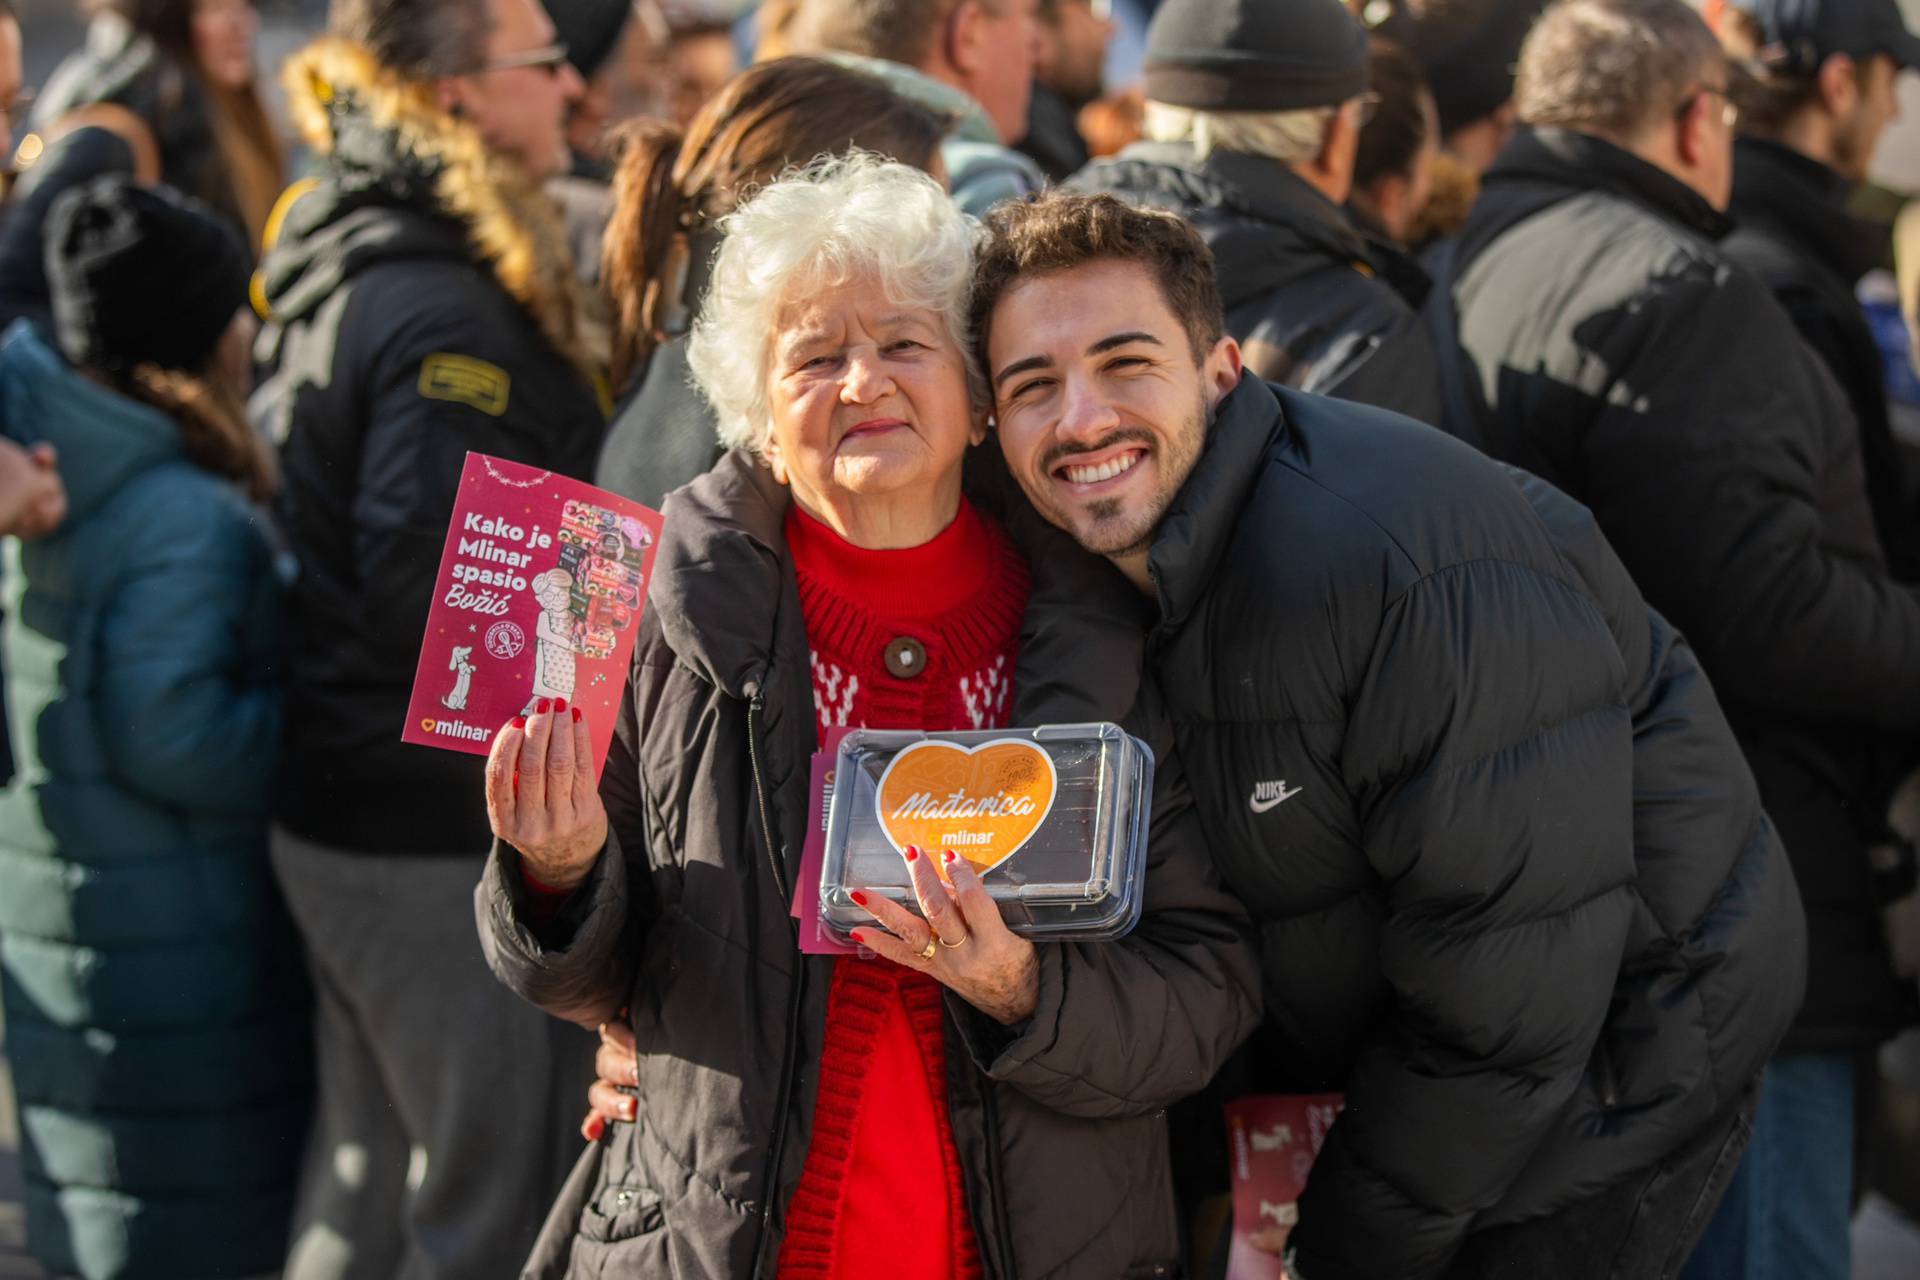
<point>419,303</point>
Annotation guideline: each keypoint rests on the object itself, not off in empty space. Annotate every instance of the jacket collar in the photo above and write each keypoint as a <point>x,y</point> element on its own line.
<point>1807,202</point>
<point>1266,225</point>
<point>401,176</point>
<point>105,439</point>
<point>971,123</point>
<point>1564,158</point>
<point>1194,532</point>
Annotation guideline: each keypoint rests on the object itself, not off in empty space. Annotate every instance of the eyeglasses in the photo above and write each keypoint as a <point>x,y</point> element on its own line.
<point>1729,110</point>
<point>549,59</point>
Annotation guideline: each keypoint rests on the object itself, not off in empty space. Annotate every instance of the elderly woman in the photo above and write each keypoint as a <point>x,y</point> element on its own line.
<point>970,1103</point>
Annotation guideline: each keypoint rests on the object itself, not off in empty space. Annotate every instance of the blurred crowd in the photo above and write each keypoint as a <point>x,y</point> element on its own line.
<point>255,317</point>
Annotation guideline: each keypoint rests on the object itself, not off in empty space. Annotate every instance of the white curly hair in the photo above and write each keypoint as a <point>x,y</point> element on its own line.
<point>839,219</point>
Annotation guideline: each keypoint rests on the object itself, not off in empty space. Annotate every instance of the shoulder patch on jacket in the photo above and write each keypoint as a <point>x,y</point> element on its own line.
<point>465,380</point>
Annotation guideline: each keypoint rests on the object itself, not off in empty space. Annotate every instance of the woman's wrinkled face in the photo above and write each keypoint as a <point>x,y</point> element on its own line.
<point>867,398</point>
<point>223,33</point>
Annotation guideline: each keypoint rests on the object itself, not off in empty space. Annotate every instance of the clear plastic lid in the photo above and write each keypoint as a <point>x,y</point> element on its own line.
<point>1055,820</point>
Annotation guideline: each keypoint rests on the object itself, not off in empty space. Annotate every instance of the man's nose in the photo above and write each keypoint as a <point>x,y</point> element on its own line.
<point>1086,415</point>
<point>867,379</point>
<point>572,87</point>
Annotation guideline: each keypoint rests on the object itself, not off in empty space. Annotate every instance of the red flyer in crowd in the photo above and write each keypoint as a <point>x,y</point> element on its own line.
<point>1272,1140</point>
<point>540,585</point>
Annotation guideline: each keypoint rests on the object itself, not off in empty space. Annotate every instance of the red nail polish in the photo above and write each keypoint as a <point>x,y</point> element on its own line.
<point>859,898</point>
<point>595,1126</point>
<point>913,854</point>
<point>559,705</point>
<point>629,1108</point>
<point>519,722</point>
<point>576,715</point>
<point>543,706</point>
<point>952,856</point>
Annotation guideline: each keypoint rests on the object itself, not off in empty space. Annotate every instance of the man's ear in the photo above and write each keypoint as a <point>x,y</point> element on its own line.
<point>1222,371</point>
<point>452,94</point>
<point>964,38</point>
<point>1690,130</point>
<point>1839,78</point>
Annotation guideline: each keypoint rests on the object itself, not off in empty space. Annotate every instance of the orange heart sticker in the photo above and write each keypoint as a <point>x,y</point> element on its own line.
<point>984,803</point>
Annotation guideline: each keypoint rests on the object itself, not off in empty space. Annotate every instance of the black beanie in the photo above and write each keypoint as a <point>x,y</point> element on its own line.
<point>590,29</point>
<point>141,275</point>
<point>1255,55</point>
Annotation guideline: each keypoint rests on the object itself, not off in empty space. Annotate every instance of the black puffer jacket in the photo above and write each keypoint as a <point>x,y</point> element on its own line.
<point>1611,348</point>
<point>1517,895</point>
<point>1060,1125</point>
<point>1793,230</point>
<point>393,348</point>
<point>1304,295</point>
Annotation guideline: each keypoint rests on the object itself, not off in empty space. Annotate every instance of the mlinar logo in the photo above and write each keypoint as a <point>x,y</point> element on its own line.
<point>455,729</point>
<point>1268,794</point>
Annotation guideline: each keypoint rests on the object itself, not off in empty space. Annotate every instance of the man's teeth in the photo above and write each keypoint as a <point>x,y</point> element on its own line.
<point>1105,471</point>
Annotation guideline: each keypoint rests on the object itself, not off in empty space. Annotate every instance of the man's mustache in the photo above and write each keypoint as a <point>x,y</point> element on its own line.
<point>1125,435</point>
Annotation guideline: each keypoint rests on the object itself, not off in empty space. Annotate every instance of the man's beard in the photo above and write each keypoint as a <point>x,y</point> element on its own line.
<point>1105,526</point>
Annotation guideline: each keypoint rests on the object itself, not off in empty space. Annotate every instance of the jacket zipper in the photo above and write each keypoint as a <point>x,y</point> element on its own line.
<point>777,1147</point>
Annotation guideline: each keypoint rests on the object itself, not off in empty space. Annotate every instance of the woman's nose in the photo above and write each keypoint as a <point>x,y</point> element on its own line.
<point>866,381</point>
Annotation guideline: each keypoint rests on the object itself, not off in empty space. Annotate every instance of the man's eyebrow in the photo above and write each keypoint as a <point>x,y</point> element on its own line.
<point>1022,366</point>
<point>1121,340</point>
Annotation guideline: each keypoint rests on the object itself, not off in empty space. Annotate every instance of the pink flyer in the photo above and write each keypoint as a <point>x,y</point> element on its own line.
<point>540,585</point>
<point>1272,1140</point>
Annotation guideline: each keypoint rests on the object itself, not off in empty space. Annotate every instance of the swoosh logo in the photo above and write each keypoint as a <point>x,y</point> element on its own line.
<point>1280,796</point>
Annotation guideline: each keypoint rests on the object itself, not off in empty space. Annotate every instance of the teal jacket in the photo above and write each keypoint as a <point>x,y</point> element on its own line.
<point>155,1012</point>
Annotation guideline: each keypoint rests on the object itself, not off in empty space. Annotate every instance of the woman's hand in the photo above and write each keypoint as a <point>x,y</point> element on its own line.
<point>617,1063</point>
<point>962,941</point>
<point>541,795</point>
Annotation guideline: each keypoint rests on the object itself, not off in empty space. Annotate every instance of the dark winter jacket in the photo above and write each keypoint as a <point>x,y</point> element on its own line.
<point>394,348</point>
<point>1310,307</point>
<point>1793,230</point>
<point>155,1015</point>
<point>1053,138</point>
<point>1614,350</point>
<point>1060,1123</point>
<point>1516,892</point>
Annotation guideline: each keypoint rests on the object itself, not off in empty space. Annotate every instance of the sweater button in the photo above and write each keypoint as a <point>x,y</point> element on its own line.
<point>906,658</point>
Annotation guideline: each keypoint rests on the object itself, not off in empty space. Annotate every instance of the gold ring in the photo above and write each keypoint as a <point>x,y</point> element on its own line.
<point>931,948</point>
<point>963,942</point>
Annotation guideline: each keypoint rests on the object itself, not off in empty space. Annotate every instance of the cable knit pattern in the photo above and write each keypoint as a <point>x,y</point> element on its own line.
<point>883,1153</point>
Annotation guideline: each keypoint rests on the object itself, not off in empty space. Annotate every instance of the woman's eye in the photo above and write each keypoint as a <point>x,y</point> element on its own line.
<point>905,344</point>
<point>816,362</point>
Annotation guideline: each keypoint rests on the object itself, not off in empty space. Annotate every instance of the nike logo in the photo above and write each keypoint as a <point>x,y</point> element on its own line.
<point>1266,795</point>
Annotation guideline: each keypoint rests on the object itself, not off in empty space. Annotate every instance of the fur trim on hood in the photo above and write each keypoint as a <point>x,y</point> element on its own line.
<point>511,225</point>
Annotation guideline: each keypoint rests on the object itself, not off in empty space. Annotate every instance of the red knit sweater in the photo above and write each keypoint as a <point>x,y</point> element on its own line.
<point>923,638</point>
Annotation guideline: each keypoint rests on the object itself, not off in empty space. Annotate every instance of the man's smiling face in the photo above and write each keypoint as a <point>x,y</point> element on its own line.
<point>1101,403</point>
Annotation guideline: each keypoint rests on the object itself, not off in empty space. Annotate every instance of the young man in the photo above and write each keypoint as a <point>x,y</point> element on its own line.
<point>1608,343</point>
<point>1518,898</point>
<point>418,305</point>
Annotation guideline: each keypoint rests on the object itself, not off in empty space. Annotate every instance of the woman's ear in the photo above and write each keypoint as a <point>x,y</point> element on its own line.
<point>771,455</point>
<point>982,425</point>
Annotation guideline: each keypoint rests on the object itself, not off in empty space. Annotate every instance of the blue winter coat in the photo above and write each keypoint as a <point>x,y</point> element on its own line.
<point>155,1011</point>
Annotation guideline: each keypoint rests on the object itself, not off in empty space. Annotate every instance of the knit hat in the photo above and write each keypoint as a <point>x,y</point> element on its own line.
<point>141,275</point>
<point>1255,55</point>
<point>1801,34</point>
<point>590,29</point>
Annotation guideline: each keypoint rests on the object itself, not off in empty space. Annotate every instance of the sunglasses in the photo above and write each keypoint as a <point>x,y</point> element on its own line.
<point>549,59</point>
